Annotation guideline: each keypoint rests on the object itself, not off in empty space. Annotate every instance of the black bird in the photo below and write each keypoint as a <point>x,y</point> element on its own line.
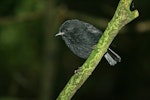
<point>81,37</point>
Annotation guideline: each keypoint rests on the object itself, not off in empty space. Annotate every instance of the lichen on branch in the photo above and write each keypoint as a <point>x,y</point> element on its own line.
<point>122,16</point>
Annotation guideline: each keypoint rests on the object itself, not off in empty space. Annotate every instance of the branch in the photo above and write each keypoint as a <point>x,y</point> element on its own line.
<point>122,16</point>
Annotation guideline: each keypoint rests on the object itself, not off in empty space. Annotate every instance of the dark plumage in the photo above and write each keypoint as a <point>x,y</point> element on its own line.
<point>81,37</point>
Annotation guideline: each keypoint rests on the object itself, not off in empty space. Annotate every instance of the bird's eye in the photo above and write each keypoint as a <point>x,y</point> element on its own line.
<point>67,30</point>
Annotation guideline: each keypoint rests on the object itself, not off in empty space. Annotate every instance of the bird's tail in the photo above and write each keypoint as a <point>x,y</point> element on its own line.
<point>112,57</point>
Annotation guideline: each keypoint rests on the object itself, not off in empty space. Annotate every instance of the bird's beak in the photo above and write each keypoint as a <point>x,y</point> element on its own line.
<point>60,33</point>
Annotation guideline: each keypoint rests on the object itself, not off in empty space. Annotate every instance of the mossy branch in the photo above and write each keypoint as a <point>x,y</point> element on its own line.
<point>122,16</point>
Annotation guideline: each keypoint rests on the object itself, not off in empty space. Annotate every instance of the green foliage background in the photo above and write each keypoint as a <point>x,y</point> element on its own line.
<point>36,65</point>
